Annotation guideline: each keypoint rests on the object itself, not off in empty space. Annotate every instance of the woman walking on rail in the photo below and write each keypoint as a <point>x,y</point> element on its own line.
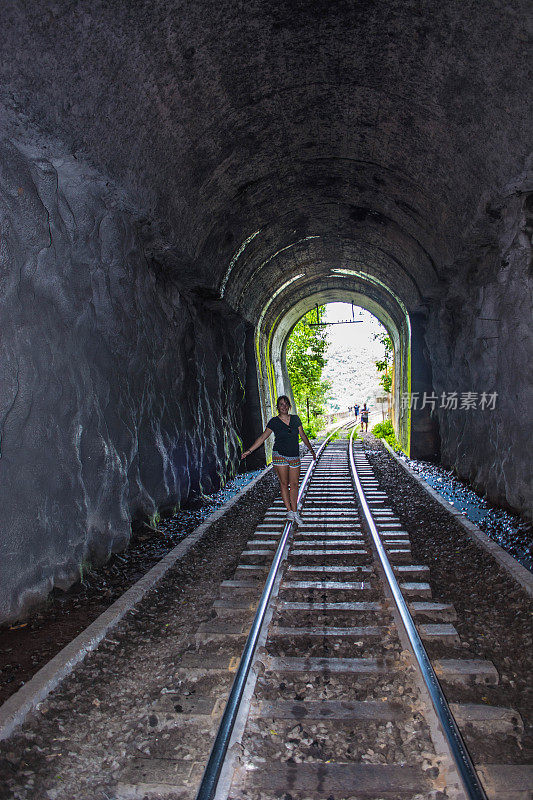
<point>286,454</point>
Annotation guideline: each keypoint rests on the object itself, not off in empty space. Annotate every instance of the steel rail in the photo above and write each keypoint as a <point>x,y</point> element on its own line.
<point>214,766</point>
<point>460,755</point>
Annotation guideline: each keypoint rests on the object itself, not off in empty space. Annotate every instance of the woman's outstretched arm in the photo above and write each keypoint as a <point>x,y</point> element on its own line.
<point>258,442</point>
<point>306,441</point>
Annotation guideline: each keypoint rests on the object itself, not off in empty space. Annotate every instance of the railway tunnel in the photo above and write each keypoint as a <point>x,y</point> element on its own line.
<point>180,184</point>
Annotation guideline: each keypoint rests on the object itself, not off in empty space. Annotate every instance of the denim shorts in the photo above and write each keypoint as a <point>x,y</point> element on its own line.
<point>281,461</point>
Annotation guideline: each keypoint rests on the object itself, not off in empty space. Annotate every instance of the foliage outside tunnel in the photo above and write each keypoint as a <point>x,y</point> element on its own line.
<point>305,361</point>
<point>384,430</point>
<point>385,366</point>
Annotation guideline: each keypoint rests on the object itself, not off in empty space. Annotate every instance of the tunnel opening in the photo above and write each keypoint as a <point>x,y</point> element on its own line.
<point>333,365</point>
<point>360,362</point>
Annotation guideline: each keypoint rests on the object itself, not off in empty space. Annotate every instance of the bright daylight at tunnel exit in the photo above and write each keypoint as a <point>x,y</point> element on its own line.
<point>266,486</point>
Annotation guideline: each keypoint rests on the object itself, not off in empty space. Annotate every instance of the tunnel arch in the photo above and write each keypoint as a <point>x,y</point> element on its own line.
<point>348,237</point>
<point>294,301</point>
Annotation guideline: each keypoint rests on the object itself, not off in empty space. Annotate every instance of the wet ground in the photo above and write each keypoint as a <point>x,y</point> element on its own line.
<point>26,646</point>
<point>506,529</point>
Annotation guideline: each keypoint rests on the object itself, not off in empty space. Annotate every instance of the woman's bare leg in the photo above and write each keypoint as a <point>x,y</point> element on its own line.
<point>294,478</point>
<point>283,476</point>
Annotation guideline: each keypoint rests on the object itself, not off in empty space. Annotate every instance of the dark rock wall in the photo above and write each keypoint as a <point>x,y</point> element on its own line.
<point>480,339</point>
<point>425,442</point>
<point>119,394</point>
<point>252,423</point>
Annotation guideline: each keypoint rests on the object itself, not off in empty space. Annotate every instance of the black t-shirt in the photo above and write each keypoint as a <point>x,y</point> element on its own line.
<point>286,436</point>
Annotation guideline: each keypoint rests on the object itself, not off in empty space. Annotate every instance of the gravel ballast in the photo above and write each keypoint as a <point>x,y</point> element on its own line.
<point>97,721</point>
<point>27,645</point>
<point>494,612</point>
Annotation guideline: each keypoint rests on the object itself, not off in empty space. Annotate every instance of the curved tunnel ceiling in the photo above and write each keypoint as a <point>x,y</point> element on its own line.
<point>284,309</point>
<point>279,138</point>
<point>251,284</point>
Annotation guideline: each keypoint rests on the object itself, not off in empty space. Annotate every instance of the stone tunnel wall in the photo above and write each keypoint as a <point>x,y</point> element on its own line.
<point>480,340</point>
<point>119,395</point>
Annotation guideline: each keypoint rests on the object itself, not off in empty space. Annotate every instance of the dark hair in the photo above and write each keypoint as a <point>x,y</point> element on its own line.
<point>283,397</point>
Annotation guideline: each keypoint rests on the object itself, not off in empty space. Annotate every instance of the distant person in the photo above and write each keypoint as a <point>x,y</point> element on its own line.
<point>286,454</point>
<point>356,412</point>
<point>364,418</point>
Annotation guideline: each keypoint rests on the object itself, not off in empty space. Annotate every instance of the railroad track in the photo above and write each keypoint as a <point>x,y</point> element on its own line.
<point>329,700</point>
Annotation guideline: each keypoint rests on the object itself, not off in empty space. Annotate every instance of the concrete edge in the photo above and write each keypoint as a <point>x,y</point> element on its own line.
<point>16,708</point>
<point>513,567</point>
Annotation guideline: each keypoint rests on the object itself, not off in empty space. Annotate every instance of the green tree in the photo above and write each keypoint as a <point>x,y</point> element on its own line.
<point>386,364</point>
<point>306,359</point>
